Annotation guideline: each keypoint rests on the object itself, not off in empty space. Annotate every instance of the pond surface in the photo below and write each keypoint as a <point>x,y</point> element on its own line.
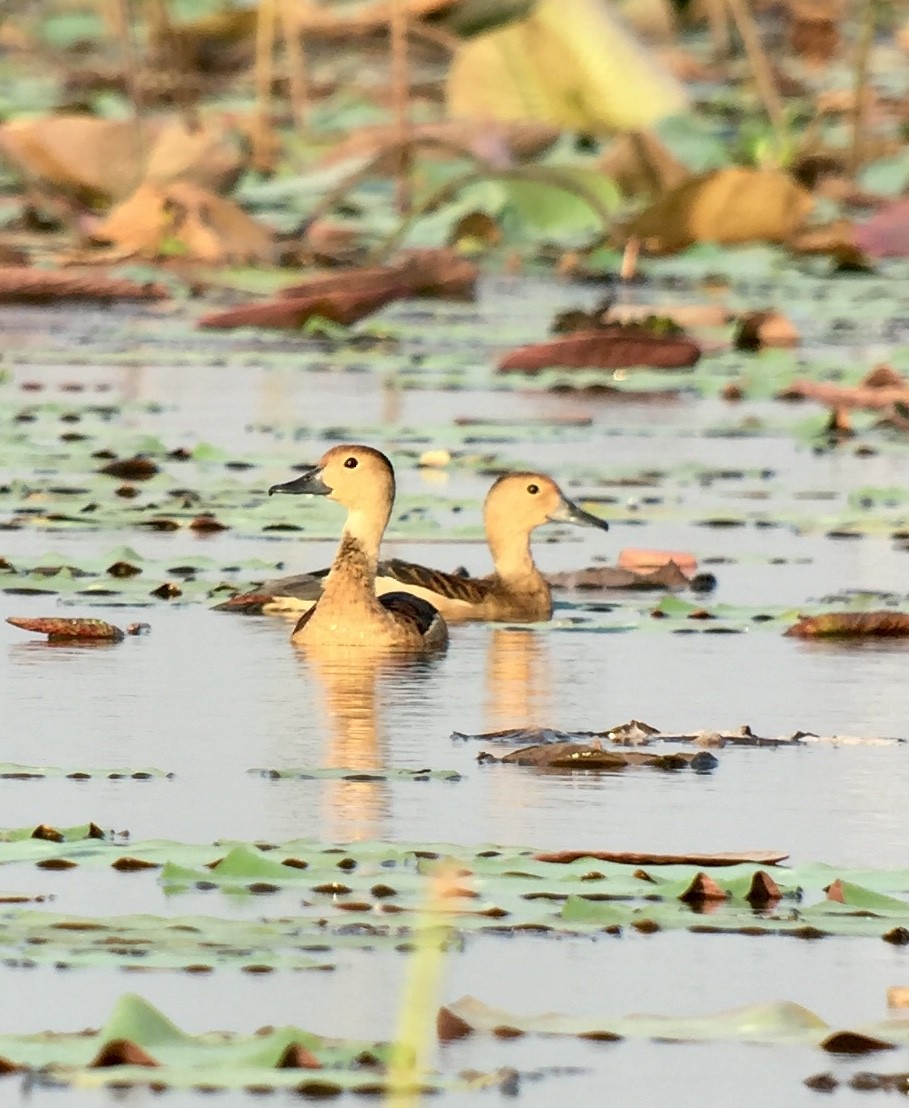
<point>208,697</point>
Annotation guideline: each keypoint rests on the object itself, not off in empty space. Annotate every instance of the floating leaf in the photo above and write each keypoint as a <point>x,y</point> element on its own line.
<point>62,629</point>
<point>852,625</point>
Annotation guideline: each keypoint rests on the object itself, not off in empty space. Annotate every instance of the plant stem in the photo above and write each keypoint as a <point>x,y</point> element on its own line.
<point>868,15</point>
<point>760,63</point>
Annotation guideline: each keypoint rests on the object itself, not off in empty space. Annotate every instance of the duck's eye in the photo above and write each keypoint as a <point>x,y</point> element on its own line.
<point>350,463</point>
<point>533,489</point>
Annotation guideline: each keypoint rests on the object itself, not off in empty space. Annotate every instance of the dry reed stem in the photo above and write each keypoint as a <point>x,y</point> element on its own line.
<point>760,64</point>
<point>867,15</point>
<point>297,69</point>
<point>400,98</point>
<point>265,48</point>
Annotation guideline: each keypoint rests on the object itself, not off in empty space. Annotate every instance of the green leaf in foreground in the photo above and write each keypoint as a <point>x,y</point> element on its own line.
<point>163,1055</point>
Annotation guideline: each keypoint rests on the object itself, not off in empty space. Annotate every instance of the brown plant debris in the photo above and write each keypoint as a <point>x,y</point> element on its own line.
<point>854,1042</point>
<point>665,576</point>
<point>615,346</point>
<point>290,313</point>
<point>122,1052</point>
<point>352,294</point>
<point>850,625</point>
<point>728,206</point>
<point>60,629</point>
<point>639,858</point>
<point>572,755</point>
<point>702,888</point>
<point>757,330</point>
<point>27,285</point>
<point>182,216</point>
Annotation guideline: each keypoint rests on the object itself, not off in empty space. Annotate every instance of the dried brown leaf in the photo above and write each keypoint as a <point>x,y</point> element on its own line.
<point>731,205</point>
<point>60,629</point>
<point>612,347</point>
<point>880,624</point>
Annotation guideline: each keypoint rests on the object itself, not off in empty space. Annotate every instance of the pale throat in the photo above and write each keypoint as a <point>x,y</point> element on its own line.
<point>511,553</point>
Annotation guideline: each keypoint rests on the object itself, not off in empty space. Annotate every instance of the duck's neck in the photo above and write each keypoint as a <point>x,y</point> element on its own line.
<point>353,571</point>
<point>511,555</point>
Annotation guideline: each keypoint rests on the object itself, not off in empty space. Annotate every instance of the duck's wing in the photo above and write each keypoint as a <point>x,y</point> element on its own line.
<point>284,594</point>
<point>452,586</point>
<point>415,611</point>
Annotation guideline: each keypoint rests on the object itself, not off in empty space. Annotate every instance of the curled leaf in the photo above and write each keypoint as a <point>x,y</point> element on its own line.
<point>850,625</point>
<point>60,629</point>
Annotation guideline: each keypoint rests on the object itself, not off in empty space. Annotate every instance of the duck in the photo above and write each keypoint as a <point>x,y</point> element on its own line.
<point>515,592</point>
<point>348,612</point>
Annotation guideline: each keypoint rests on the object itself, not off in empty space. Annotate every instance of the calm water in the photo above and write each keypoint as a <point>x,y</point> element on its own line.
<point>208,697</point>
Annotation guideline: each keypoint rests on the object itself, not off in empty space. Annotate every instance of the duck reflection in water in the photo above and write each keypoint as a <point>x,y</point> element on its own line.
<point>356,684</point>
<point>518,679</point>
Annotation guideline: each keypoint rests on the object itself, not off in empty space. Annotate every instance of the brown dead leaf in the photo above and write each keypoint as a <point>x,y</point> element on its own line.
<point>499,142</point>
<point>27,285</point>
<point>729,206</point>
<point>185,218</point>
<point>763,890</point>
<point>667,576</point>
<point>757,330</point>
<point>450,1027</point>
<point>60,629</point>
<point>854,1042</point>
<point>881,624</point>
<point>137,468</point>
<point>565,756</point>
<point>702,888</point>
<point>610,347</point>
<point>205,152</point>
<point>122,1052</point>
<point>298,1057</point>
<point>642,858</point>
<point>90,160</point>
<point>292,312</point>
<point>418,272</point>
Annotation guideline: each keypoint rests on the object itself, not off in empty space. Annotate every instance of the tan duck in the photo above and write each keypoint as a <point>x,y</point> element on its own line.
<point>348,612</point>
<point>515,591</point>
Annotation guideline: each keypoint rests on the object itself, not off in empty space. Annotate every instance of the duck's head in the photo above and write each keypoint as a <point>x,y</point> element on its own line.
<point>523,501</point>
<point>356,476</point>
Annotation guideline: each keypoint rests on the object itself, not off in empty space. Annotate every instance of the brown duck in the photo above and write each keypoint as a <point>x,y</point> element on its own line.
<point>515,591</point>
<point>348,612</point>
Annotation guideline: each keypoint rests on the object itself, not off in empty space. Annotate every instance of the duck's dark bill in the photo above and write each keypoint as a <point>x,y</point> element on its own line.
<point>569,512</point>
<point>310,481</point>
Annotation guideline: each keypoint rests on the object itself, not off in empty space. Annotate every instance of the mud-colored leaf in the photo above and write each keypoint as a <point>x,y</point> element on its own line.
<point>86,158</point>
<point>26,285</point>
<point>667,576</point>
<point>122,1052</point>
<point>187,219</point>
<point>854,1042</point>
<point>62,629</point>
<point>730,206</point>
<point>606,348</point>
<point>132,469</point>
<point>292,313</point>
<point>639,858</point>
<point>756,330</point>
<point>850,625</point>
